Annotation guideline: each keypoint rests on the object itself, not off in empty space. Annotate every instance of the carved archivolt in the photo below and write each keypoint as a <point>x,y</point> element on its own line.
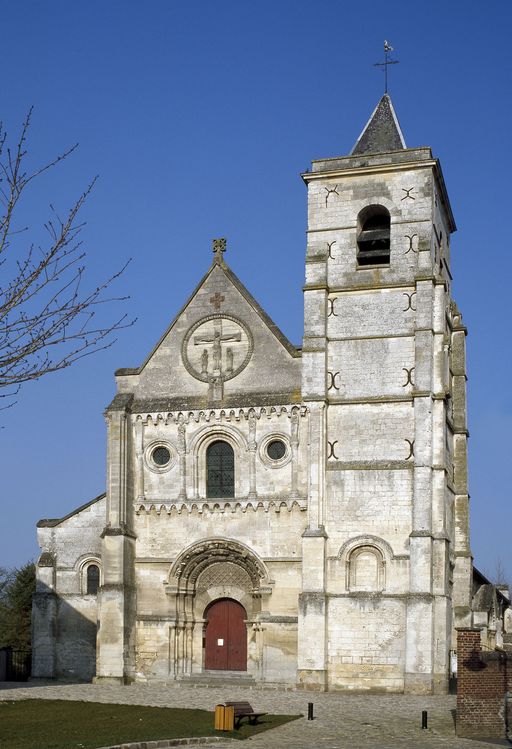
<point>210,570</point>
<point>197,558</point>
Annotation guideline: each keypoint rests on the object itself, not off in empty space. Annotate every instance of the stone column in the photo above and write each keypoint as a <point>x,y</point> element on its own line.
<point>139,452</point>
<point>182,452</point>
<point>294,443</point>
<point>252,455</point>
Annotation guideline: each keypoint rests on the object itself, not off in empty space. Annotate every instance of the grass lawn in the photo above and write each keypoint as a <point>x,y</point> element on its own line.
<point>62,724</point>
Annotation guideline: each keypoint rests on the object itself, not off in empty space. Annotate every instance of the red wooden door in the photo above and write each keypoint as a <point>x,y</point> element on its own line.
<point>226,636</point>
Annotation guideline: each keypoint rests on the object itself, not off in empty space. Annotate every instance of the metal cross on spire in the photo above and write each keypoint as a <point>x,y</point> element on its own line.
<point>387,61</point>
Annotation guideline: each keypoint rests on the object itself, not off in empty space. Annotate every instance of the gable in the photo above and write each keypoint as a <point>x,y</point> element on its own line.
<point>220,348</point>
<point>91,511</point>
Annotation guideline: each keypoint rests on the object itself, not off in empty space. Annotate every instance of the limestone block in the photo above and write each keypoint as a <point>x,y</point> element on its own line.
<point>389,424</point>
<point>371,368</point>
<point>376,502</point>
<point>372,312</point>
<point>366,643</point>
<point>280,652</point>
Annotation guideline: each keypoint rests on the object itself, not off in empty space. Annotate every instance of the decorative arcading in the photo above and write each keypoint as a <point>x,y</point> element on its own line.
<point>215,415</point>
<point>222,506</point>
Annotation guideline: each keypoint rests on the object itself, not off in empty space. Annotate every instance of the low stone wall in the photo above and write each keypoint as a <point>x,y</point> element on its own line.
<point>170,743</point>
<point>484,688</point>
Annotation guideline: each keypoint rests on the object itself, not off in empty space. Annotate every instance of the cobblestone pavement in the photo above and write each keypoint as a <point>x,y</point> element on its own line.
<point>341,721</point>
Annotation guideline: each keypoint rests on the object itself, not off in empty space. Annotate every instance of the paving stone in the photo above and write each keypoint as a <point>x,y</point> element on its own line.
<point>342,721</point>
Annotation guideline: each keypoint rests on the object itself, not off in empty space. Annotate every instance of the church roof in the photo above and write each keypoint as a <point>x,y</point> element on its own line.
<point>52,522</point>
<point>382,132</point>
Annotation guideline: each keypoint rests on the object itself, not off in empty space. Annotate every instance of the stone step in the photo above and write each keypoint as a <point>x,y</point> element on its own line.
<point>219,678</point>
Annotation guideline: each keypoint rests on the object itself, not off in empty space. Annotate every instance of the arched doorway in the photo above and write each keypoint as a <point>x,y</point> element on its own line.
<point>226,636</point>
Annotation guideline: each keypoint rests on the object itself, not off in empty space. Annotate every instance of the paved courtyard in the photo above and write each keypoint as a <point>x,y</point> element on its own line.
<point>341,721</point>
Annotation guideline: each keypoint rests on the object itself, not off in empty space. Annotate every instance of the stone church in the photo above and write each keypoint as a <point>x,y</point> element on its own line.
<point>291,515</point>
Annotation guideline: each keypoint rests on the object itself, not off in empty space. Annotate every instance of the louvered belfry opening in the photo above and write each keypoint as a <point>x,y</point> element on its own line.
<point>220,470</point>
<point>373,236</point>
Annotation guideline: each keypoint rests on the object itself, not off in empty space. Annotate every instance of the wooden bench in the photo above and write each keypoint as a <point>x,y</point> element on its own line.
<point>244,710</point>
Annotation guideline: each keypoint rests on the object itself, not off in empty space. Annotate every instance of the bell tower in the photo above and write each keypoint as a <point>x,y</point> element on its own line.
<point>386,558</point>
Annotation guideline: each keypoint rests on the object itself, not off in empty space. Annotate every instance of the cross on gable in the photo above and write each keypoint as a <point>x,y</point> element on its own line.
<point>216,300</point>
<point>218,247</point>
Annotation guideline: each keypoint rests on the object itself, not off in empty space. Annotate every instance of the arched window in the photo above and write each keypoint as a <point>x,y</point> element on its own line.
<point>366,569</point>
<point>220,470</point>
<point>373,236</point>
<point>93,579</point>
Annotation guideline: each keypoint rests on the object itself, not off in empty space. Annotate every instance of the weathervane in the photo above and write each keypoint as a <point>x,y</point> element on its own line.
<point>387,61</point>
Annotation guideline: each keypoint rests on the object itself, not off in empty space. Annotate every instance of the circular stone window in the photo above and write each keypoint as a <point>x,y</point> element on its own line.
<point>161,456</point>
<point>276,449</point>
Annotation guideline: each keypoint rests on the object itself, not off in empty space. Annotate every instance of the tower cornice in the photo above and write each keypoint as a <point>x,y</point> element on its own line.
<point>369,169</point>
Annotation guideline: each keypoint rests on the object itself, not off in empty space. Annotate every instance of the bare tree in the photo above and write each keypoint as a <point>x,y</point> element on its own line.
<point>500,575</point>
<point>47,320</point>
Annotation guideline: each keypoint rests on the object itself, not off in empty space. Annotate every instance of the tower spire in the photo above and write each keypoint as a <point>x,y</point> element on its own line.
<point>382,132</point>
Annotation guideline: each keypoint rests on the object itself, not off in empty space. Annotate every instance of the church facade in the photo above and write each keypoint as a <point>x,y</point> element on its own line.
<point>295,516</point>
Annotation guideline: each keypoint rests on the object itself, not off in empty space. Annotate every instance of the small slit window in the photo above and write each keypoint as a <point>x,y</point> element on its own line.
<point>373,236</point>
<point>93,579</point>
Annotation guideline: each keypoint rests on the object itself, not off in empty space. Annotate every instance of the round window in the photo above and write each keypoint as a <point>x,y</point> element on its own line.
<point>161,456</point>
<point>276,449</point>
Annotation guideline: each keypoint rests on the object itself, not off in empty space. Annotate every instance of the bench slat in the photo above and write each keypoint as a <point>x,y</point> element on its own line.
<point>244,710</point>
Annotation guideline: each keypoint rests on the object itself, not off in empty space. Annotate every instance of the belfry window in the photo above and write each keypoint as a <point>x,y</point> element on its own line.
<point>93,579</point>
<point>220,470</point>
<point>373,236</point>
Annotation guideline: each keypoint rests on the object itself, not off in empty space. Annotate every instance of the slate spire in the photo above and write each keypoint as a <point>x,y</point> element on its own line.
<point>382,131</point>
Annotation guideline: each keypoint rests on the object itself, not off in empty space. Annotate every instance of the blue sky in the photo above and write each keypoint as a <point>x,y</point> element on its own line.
<point>198,118</point>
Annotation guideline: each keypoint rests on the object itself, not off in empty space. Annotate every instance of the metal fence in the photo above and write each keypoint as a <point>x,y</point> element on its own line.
<point>15,665</point>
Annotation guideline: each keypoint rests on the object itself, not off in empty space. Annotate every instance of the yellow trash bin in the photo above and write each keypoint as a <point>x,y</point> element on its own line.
<point>229,718</point>
<point>219,717</point>
<point>224,718</point>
